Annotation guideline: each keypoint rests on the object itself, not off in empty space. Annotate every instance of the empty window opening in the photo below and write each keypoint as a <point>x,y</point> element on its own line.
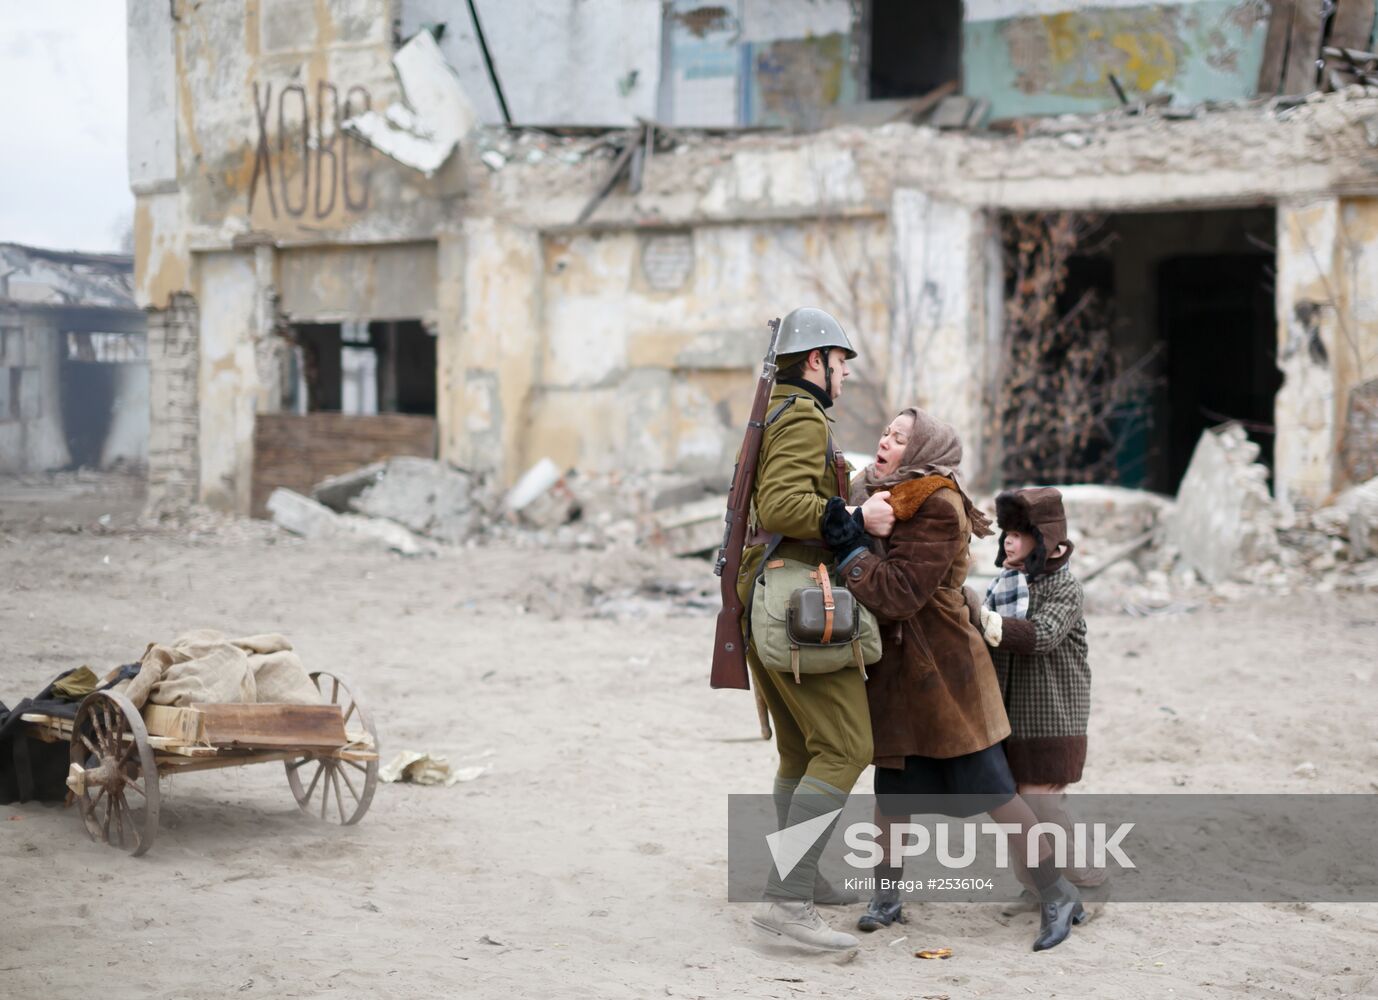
<point>103,396</point>
<point>915,47</point>
<point>364,368</point>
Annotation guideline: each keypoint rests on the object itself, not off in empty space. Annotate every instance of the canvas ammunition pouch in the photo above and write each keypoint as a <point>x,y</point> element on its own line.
<point>804,622</point>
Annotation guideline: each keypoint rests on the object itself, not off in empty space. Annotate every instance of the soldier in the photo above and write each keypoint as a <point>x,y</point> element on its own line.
<point>822,722</point>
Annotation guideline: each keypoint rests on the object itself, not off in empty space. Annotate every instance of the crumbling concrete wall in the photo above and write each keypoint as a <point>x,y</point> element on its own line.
<point>938,346</point>
<point>1038,57</point>
<point>31,432</point>
<point>629,340</point>
<point>1327,306</point>
<point>596,62</point>
<point>645,336</point>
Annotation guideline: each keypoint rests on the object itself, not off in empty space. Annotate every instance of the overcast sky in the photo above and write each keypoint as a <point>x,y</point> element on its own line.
<point>64,180</point>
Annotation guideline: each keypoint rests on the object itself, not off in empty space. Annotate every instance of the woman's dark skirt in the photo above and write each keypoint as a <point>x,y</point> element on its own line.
<point>963,786</point>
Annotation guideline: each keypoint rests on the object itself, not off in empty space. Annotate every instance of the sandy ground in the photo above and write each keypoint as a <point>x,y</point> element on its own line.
<point>589,862</point>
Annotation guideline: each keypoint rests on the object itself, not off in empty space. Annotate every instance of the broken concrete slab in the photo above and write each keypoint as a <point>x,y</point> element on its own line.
<point>424,132</point>
<point>1225,519</point>
<point>1354,517</point>
<point>425,496</point>
<point>311,519</point>
<point>392,535</point>
<point>1113,513</point>
<point>302,515</point>
<point>337,491</point>
<point>689,529</point>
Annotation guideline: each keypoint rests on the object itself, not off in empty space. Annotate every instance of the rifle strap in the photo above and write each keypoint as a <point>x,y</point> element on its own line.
<point>779,411</point>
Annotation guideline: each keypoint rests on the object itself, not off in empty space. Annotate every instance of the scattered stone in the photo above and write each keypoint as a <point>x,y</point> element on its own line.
<point>337,491</point>
<point>1224,519</point>
<point>533,483</point>
<point>302,515</point>
<point>425,496</point>
<point>391,534</point>
<point>694,528</point>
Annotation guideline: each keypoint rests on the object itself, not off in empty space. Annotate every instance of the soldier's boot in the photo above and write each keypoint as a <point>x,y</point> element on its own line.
<point>798,921</point>
<point>885,907</point>
<point>824,892</point>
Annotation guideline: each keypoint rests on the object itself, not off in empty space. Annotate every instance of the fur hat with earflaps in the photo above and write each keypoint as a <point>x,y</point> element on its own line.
<point>1038,512</point>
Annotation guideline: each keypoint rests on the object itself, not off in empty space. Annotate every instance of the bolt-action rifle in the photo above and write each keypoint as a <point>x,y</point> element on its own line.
<point>729,650</point>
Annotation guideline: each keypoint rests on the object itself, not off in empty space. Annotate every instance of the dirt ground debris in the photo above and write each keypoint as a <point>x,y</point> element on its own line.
<point>589,860</point>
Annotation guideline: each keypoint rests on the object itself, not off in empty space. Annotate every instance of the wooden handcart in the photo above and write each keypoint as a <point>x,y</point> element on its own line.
<point>330,752</point>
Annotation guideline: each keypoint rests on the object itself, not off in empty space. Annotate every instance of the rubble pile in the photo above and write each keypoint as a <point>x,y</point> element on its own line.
<point>1136,552</point>
<point>1222,536</point>
<point>414,505</point>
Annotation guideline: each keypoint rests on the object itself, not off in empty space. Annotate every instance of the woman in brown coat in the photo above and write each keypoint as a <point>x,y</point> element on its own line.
<point>937,718</point>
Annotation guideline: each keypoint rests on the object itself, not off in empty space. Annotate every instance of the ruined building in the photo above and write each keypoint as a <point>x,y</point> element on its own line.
<point>74,380</point>
<point>344,251</point>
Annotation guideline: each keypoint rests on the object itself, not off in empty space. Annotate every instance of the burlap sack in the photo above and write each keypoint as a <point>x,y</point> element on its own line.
<point>204,667</point>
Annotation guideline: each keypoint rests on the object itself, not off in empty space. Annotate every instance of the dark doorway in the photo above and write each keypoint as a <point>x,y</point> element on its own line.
<point>1180,305</point>
<point>915,47</point>
<point>1216,319</point>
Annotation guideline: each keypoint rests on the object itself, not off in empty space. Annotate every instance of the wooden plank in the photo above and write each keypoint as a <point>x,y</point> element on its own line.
<point>1275,47</point>
<point>272,725</point>
<point>181,725</point>
<point>1303,49</point>
<point>1351,26</point>
<point>299,450</point>
<point>184,765</point>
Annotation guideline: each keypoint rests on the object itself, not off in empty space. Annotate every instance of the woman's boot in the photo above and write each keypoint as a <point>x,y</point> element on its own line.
<point>1059,908</point>
<point>885,906</point>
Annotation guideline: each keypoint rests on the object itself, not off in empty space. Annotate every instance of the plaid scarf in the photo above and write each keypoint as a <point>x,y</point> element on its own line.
<point>1008,594</point>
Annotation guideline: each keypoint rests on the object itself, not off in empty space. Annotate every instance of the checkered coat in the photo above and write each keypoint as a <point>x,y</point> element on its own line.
<point>1045,680</point>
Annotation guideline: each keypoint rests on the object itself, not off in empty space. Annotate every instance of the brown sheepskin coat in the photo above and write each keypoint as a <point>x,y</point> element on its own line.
<point>934,692</point>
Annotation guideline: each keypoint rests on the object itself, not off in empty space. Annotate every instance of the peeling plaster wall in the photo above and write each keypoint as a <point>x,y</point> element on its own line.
<point>938,347</point>
<point>590,62</point>
<point>1039,58</point>
<point>229,379</point>
<point>756,62</point>
<point>647,336</point>
<point>1327,335</point>
<point>152,124</point>
<point>35,442</point>
<point>582,343</point>
<point>495,350</point>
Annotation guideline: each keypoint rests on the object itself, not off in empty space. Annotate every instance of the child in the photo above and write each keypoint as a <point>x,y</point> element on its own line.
<point>1032,617</point>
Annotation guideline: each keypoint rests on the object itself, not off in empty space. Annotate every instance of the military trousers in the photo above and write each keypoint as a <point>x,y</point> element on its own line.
<point>822,724</point>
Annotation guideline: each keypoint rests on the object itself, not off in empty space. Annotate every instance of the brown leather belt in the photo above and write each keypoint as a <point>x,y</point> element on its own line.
<point>759,537</point>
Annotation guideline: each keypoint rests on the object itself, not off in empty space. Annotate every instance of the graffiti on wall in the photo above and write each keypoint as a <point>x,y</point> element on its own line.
<point>303,162</point>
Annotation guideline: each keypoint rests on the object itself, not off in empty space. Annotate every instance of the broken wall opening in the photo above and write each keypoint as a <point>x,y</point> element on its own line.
<point>364,368</point>
<point>104,381</point>
<point>1154,327</point>
<point>914,48</point>
<point>363,391</point>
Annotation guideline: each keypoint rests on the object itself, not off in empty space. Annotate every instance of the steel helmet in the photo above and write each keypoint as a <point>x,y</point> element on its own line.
<point>806,329</point>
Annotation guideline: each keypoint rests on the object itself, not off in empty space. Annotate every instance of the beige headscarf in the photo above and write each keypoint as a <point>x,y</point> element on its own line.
<point>934,449</point>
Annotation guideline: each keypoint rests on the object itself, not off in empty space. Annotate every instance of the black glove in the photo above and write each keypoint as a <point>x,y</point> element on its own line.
<point>843,532</point>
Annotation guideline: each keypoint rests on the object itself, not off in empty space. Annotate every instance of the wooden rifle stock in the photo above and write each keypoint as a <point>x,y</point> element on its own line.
<point>729,647</point>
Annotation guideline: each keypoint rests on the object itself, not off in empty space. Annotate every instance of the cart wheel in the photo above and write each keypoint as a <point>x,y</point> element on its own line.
<point>113,777</point>
<point>344,787</point>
